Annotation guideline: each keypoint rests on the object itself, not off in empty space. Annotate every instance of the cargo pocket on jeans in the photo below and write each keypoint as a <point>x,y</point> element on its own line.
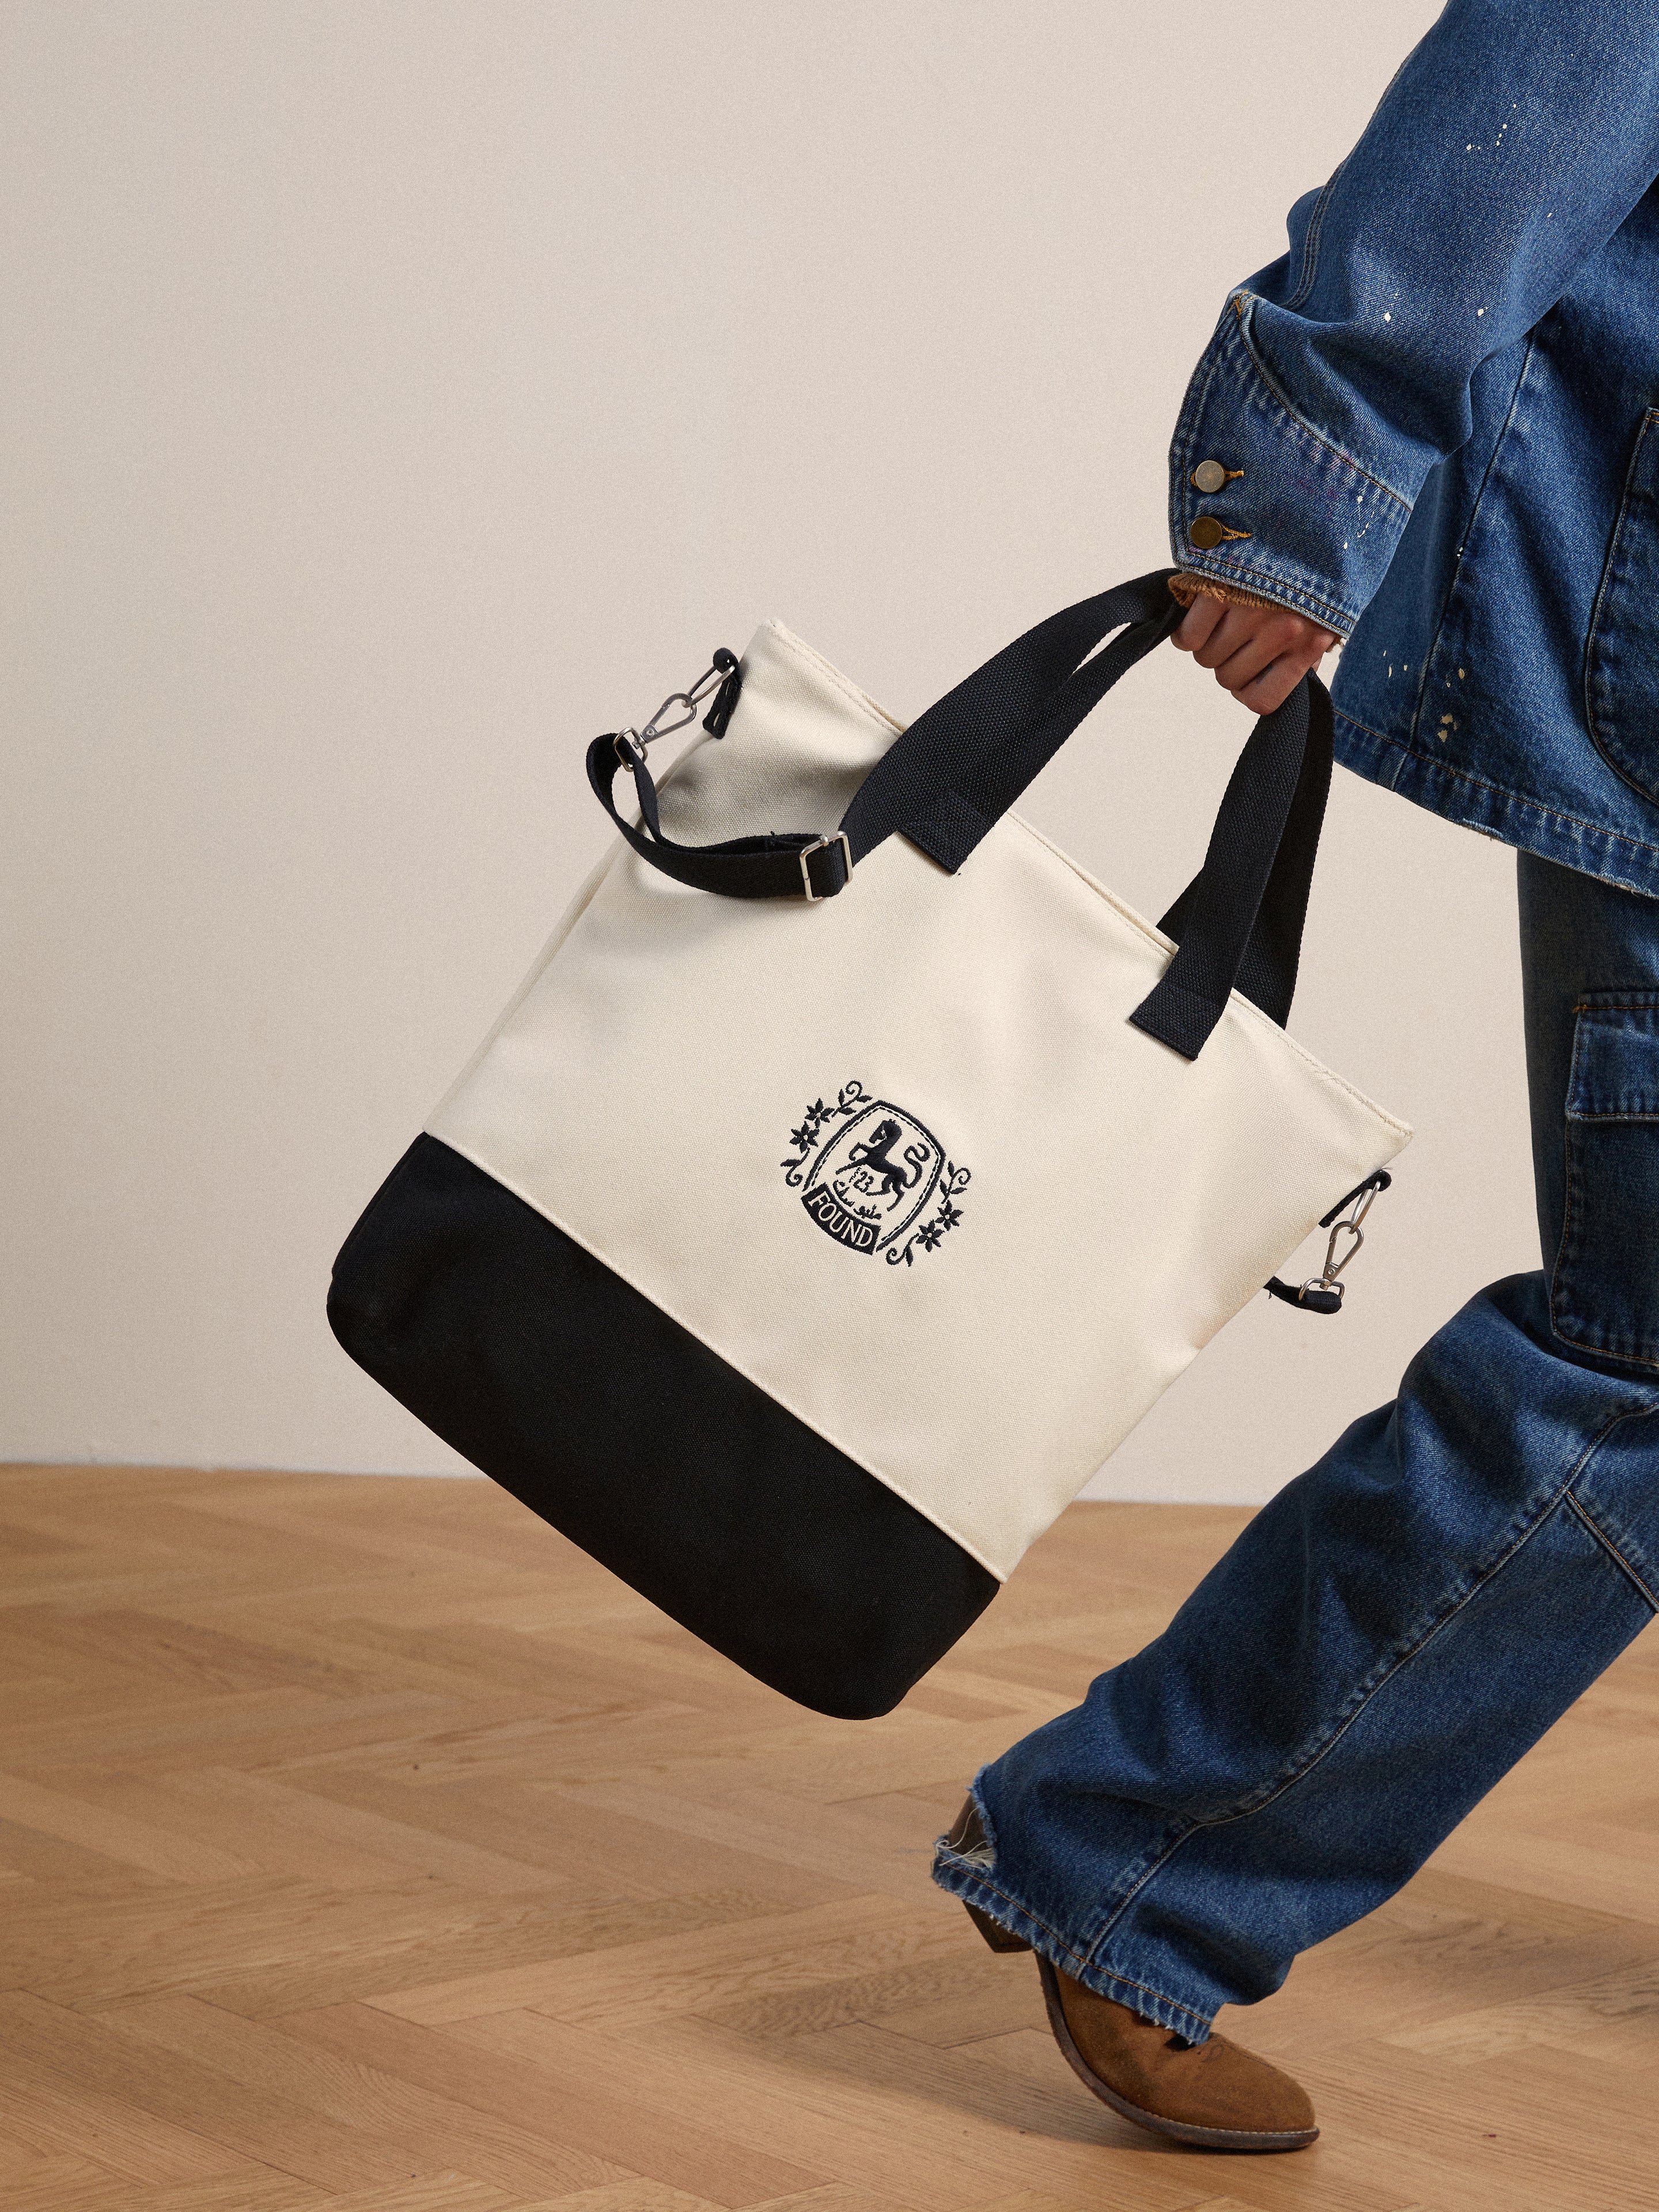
<point>1621,683</point>
<point>1605,1294</point>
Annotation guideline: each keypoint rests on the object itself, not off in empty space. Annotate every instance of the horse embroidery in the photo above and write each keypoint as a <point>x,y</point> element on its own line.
<point>868,1182</point>
<point>872,1159</point>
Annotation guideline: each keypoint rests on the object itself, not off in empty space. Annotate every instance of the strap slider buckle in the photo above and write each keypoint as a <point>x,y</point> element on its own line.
<point>838,836</point>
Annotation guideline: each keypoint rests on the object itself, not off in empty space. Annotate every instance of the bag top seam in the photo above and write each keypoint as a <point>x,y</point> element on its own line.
<point>1247,1007</point>
<point>868,709</point>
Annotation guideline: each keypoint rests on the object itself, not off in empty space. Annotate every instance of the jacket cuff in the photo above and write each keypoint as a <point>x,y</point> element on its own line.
<point>1187,587</point>
<point>1261,500</point>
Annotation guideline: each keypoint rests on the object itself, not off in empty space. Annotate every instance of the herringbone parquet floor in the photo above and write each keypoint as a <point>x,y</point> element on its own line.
<point>363,1848</point>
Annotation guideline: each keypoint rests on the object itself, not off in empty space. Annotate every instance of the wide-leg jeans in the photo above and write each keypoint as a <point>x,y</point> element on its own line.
<point>1389,1635</point>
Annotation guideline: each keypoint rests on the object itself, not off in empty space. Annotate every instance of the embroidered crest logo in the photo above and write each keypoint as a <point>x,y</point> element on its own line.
<point>873,1177</point>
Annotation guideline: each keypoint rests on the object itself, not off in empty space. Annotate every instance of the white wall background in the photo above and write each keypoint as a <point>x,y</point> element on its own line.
<point>397,392</point>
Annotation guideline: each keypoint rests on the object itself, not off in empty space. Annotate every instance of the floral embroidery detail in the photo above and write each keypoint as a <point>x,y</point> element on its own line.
<point>850,1098</point>
<point>873,1177</point>
<point>932,1233</point>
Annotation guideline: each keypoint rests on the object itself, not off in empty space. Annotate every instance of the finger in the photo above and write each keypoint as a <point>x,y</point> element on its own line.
<point>1233,630</point>
<point>1268,637</point>
<point>1195,625</point>
<point>1274,685</point>
<point>1253,657</point>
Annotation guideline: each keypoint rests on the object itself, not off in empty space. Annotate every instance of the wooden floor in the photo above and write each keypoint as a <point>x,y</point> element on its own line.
<point>363,1847</point>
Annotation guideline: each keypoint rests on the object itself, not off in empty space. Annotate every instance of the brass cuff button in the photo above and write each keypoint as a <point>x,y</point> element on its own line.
<point>1210,477</point>
<point>1206,533</point>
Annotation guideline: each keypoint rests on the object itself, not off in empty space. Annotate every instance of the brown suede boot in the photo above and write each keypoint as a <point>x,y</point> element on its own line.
<point>1211,2095</point>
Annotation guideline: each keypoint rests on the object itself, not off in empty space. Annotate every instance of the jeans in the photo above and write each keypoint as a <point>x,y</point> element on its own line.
<point>1389,1635</point>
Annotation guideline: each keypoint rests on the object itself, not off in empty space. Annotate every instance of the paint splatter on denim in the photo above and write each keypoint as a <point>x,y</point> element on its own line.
<point>1432,425</point>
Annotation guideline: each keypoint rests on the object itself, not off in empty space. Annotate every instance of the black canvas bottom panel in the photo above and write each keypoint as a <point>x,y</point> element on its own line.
<point>611,1421</point>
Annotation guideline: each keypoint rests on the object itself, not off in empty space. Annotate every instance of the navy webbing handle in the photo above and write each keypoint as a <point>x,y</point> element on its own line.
<point>960,766</point>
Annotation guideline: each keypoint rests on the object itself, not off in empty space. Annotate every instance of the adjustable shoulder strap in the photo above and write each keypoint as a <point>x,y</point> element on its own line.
<point>943,783</point>
<point>795,864</point>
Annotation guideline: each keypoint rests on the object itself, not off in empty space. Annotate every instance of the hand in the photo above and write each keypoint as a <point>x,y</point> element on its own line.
<point>1259,653</point>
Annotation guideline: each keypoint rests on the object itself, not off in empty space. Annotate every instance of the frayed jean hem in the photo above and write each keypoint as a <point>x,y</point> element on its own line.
<point>963,1879</point>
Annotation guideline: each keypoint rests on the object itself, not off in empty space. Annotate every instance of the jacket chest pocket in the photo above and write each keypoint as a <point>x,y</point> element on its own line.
<point>1622,659</point>
<point>1605,1293</point>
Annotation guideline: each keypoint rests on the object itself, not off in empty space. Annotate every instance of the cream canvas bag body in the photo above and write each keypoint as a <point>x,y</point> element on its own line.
<point>831,1202</point>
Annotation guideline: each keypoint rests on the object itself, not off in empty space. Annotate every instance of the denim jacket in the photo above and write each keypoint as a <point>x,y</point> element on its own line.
<point>1433,426</point>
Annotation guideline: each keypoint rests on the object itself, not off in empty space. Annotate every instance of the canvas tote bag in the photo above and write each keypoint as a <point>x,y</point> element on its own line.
<point>831,1200</point>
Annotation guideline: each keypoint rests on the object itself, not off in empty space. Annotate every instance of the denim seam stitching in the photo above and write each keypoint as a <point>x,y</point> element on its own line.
<point>1499,790</point>
<point>1125,1982</point>
<point>1469,531</point>
<point>1405,1656</point>
<point>1081,1959</point>
<point>1391,1669</point>
<point>1601,1351</point>
<point>1134,1890</point>
<point>979,1875</point>
<point>1303,423</point>
<point>1569,1192</point>
<point>1341,620</point>
<point>1381,736</point>
<point>1572,1178</point>
<point>1391,1665</point>
<point>1198,391</point>
<point>1649,421</point>
<point>1315,238</point>
<point>1611,1549</point>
